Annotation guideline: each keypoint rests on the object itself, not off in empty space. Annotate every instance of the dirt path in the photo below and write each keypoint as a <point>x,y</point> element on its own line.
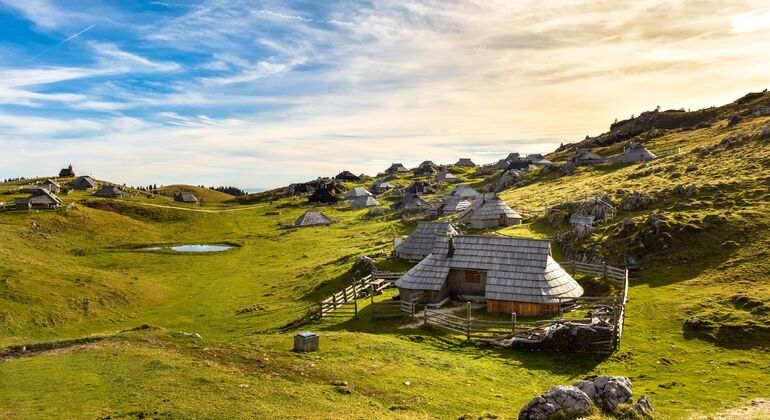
<point>164,206</point>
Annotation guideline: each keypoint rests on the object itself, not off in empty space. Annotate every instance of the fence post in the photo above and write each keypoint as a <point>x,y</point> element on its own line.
<point>345,294</point>
<point>604,270</point>
<point>355,306</point>
<point>413,307</point>
<point>425,318</point>
<point>513,321</point>
<point>355,291</point>
<point>468,323</point>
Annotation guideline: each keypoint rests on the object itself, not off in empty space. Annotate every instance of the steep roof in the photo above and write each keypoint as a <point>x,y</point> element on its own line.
<point>347,176</point>
<point>67,172</point>
<point>446,176</point>
<point>109,191</point>
<point>420,187</point>
<point>83,182</point>
<point>312,218</point>
<point>489,207</point>
<point>186,197</point>
<point>411,202</point>
<point>635,152</point>
<point>41,196</point>
<point>323,195</point>
<point>422,239</point>
<point>585,155</point>
<point>464,191</point>
<point>357,192</point>
<point>452,204</point>
<point>517,269</point>
<point>465,162</point>
<point>396,168</point>
<point>364,201</point>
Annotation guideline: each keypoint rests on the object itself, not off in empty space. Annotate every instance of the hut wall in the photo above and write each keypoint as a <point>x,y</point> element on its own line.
<point>410,257</point>
<point>522,308</point>
<point>458,283</point>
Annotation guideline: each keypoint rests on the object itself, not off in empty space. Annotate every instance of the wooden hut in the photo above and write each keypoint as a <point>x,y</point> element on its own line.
<point>420,188</point>
<point>83,183</point>
<point>397,168</point>
<point>513,275</point>
<point>465,162</point>
<point>364,201</point>
<point>635,152</point>
<point>356,192</point>
<point>324,195</point>
<point>186,197</point>
<point>41,199</point>
<point>420,243</point>
<point>452,205</point>
<point>446,176</point>
<point>584,156</point>
<point>411,203</point>
<point>465,192</point>
<point>381,186</point>
<point>489,211</point>
<point>67,172</point>
<point>425,168</point>
<point>312,218</point>
<point>51,186</point>
<point>109,191</point>
<point>348,176</point>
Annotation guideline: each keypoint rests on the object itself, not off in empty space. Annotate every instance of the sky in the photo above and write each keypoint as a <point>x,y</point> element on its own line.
<point>257,94</point>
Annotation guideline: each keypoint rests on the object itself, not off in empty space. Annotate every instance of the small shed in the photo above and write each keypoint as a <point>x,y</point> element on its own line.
<point>465,162</point>
<point>348,176</point>
<point>381,186</point>
<point>635,152</point>
<point>578,219</point>
<point>67,172</point>
<point>364,201</point>
<point>83,183</point>
<point>411,203</point>
<point>356,192</point>
<point>420,188</point>
<point>186,197</point>
<point>425,168</point>
<point>396,168</point>
<point>420,243</point>
<point>488,212</point>
<point>312,218</point>
<point>446,176</point>
<point>584,156</point>
<point>513,275</point>
<point>109,191</point>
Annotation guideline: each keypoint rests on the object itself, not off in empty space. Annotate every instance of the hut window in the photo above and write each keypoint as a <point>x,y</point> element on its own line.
<point>472,277</point>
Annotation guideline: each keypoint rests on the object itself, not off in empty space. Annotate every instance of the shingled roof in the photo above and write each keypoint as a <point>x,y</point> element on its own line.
<point>396,168</point>
<point>465,162</point>
<point>420,187</point>
<point>446,176</point>
<point>635,152</point>
<point>83,183</point>
<point>109,191</point>
<point>411,202</point>
<point>419,244</point>
<point>452,205</point>
<point>364,201</point>
<point>356,192</point>
<point>312,218</point>
<point>186,197</point>
<point>489,207</point>
<point>517,269</point>
<point>464,191</point>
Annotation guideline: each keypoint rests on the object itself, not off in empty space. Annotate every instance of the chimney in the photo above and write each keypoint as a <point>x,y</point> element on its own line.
<point>451,251</point>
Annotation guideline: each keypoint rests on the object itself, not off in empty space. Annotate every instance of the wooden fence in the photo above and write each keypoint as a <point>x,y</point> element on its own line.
<point>471,328</point>
<point>367,286</point>
<point>618,275</point>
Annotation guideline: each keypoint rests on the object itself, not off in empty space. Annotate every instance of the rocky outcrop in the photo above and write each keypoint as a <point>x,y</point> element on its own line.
<point>635,201</point>
<point>508,179</point>
<point>611,394</point>
<point>363,266</point>
<point>563,401</point>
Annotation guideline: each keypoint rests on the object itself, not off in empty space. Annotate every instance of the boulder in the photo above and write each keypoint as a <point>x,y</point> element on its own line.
<point>611,391</point>
<point>587,387</point>
<point>363,266</point>
<point>644,406</point>
<point>563,401</point>
<point>635,201</point>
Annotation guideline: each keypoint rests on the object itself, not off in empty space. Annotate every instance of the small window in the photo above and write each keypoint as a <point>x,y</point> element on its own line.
<point>472,277</point>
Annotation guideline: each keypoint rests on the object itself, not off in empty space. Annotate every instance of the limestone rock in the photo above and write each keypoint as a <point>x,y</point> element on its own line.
<point>635,201</point>
<point>363,266</point>
<point>611,391</point>
<point>557,401</point>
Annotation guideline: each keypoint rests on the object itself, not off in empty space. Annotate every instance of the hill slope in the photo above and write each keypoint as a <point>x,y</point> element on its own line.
<point>206,194</point>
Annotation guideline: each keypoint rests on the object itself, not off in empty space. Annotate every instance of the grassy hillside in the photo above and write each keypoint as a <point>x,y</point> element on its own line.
<point>206,194</point>
<point>79,273</point>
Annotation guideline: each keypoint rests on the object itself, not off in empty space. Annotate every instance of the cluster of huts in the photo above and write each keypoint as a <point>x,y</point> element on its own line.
<point>43,194</point>
<point>633,152</point>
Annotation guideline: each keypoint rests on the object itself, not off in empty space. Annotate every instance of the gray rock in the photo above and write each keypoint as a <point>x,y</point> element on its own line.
<point>635,201</point>
<point>611,391</point>
<point>644,406</point>
<point>559,400</point>
<point>587,387</point>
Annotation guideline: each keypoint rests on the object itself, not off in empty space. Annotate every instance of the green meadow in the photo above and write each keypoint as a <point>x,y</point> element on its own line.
<point>164,334</point>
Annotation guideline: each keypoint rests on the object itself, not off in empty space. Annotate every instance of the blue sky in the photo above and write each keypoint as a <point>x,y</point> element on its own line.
<point>262,93</point>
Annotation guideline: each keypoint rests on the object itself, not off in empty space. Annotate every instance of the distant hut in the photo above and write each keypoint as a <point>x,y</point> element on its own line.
<point>425,168</point>
<point>109,191</point>
<point>465,192</point>
<point>420,188</point>
<point>324,195</point>
<point>381,186</point>
<point>578,219</point>
<point>312,218</point>
<point>452,205</point>
<point>411,203</point>
<point>397,168</point>
<point>41,199</point>
<point>356,192</point>
<point>83,183</point>
<point>348,176</point>
<point>420,243</point>
<point>446,176</point>
<point>186,197</point>
<point>67,172</point>
<point>465,162</point>
<point>584,156</point>
<point>488,212</point>
<point>363,202</point>
<point>635,152</point>
<point>501,164</point>
<point>51,186</point>
<point>528,283</point>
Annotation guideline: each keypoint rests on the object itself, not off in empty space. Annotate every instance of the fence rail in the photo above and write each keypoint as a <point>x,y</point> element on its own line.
<point>618,275</point>
<point>365,287</point>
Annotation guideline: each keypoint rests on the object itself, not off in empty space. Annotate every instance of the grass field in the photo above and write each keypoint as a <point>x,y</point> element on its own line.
<point>77,272</point>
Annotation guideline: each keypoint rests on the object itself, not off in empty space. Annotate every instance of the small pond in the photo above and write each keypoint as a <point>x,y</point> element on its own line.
<point>189,248</point>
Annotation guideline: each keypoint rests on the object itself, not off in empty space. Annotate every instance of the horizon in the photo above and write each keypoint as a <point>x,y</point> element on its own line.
<point>258,96</point>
